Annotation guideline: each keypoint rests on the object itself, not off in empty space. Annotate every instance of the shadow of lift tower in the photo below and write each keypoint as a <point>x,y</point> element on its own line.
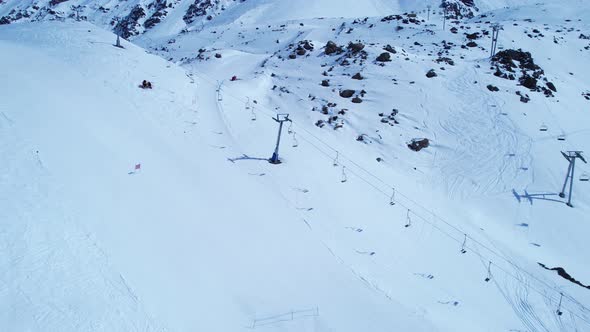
<point>571,156</point>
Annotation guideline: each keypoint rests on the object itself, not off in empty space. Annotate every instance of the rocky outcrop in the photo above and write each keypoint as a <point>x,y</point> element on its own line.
<point>457,9</point>
<point>197,9</point>
<point>159,7</point>
<point>129,25</point>
<point>332,48</point>
<point>519,65</point>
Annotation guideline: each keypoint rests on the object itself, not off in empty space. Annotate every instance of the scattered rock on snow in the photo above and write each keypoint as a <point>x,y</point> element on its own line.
<point>346,93</point>
<point>493,88</point>
<point>418,144</point>
<point>523,98</point>
<point>384,57</point>
<point>390,49</point>
<point>355,47</point>
<point>332,48</point>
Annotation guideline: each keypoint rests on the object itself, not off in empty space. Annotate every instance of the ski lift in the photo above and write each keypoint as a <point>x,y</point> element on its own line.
<point>561,138</point>
<point>335,162</point>
<point>489,277</point>
<point>344,178</point>
<point>558,311</point>
<point>392,199</point>
<point>253,118</point>
<point>408,220</point>
<point>543,127</point>
<point>295,142</point>
<point>290,129</point>
<point>218,90</point>
<point>584,177</point>
<point>463,245</point>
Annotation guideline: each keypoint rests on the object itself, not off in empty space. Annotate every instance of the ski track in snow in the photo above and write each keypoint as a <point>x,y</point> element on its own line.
<point>480,150</point>
<point>52,248</point>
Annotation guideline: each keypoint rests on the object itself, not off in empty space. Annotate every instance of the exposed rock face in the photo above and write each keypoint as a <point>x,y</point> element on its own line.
<point>127,27</point>
<point>160,11</point>
<point>196,9</point>
<point>136,20</point>
<point>457,9</point>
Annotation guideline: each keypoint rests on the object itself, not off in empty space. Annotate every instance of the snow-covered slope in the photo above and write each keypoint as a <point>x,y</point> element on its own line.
<point>167,17</point>
<point>187,242</point>
<point>209,236</point>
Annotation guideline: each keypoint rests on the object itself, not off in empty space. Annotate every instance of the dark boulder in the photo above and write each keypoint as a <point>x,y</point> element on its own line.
<point>332,48</point>
<point>346,93</point>
<point>418,144</point>
<point>384,57</point>
<point>355,47</point>
<point>357,76</point>
<point>390,49</point>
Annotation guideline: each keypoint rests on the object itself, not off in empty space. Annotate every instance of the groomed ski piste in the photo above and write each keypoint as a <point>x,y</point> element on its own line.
<point>129,209</point>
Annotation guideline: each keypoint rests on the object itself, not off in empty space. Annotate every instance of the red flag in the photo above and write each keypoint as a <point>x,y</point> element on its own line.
<point>137,167</point>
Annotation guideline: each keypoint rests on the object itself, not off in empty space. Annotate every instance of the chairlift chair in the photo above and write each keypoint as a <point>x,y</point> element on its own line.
<point>561,138</point>
<point>543,128</point>
<point>585,177</point>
